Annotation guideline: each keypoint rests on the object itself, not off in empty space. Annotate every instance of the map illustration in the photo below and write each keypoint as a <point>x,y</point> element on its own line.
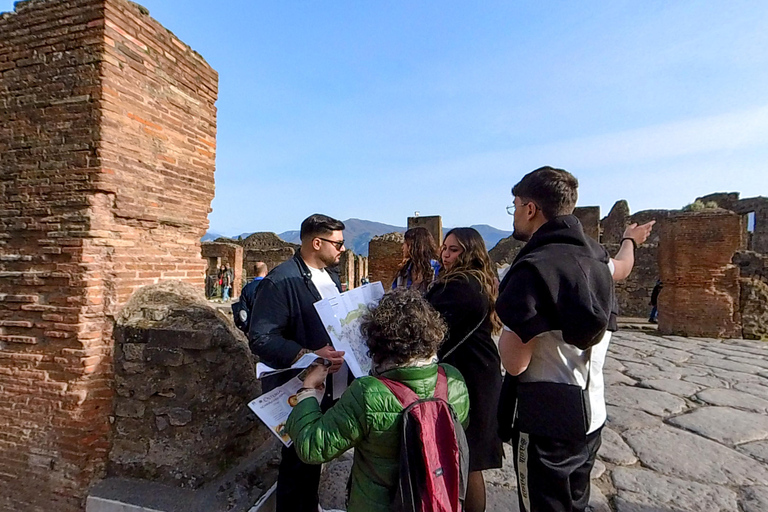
<point>341,316</point>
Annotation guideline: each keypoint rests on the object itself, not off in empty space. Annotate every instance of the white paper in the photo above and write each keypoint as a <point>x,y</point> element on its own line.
<point>341,317</point>
<point>262,370</point>
<point>274,407</point>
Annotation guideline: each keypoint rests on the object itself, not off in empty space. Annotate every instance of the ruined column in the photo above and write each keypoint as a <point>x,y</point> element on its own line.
<point>433,223</point>
<point>107,147</point>
<point>701,284</point>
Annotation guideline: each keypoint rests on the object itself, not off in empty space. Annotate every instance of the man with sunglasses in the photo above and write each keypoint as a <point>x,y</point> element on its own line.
<point>285,326</point>
<point>558,308</point>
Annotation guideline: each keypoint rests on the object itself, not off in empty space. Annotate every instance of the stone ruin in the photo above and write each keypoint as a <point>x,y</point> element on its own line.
<point>107,146</point>
<point>266,247</point>
<point>183,374</point>
<point>223,253</point>
<point>385,255</point>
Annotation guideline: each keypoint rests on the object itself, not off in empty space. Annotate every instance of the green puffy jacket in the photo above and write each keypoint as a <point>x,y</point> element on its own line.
<point>368,418</point>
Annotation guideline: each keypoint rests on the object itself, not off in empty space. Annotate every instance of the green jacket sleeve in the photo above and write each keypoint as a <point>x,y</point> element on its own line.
<point>319,437</point>
<point>458,396</point>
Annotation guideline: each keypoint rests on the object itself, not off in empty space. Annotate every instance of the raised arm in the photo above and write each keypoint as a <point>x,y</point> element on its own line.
<point>625,258</point>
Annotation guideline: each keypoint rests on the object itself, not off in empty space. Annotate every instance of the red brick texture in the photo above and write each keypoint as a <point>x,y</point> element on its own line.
<point>701,285</point>
<point>107,145</point>
<point>385,255</point>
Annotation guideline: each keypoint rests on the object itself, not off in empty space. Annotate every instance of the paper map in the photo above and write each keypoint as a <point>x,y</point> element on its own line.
<point>341,317</point>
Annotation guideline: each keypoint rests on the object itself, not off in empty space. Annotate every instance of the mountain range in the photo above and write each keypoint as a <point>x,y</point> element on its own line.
<point>359,232</point>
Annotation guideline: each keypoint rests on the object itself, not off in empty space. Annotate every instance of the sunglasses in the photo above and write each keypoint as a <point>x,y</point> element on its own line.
<point>336,243</point>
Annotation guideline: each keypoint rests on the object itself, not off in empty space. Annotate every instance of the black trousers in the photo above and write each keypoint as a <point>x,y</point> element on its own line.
<point>553,475</point>
<point>297,484</point>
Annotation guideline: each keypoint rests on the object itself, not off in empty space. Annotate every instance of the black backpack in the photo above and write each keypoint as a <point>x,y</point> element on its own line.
<point>434,455</point>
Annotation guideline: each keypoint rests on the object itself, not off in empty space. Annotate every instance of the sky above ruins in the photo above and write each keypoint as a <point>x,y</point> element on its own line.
<point>375,110</point>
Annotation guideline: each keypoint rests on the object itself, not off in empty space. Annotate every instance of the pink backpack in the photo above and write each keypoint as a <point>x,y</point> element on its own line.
<point>434,456</point>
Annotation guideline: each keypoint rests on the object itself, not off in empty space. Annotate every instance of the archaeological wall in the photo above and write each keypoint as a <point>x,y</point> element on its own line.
<point>385,255</point>
<point>266,247</point>
<point>107,149</point>
<point>701,284</point>
<point>433,224</point>
<point>218,254</point>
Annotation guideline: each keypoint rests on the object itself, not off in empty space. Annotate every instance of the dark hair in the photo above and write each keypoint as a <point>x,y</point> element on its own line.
<point>555,191</point>
<point>422,250</point>
<point>318,224</point>
<point>402,327</point>
<point>475,262</point>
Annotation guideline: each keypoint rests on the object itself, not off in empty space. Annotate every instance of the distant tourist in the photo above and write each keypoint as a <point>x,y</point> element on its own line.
<point>241,310</point>
<point>558,309</point>
<point>465,296</point>
<point>226,283</point>
<point>287,327</point>
<point>420,266</point>
<point>403,334</point>
<point>365,280</point>
<point>654,318</point>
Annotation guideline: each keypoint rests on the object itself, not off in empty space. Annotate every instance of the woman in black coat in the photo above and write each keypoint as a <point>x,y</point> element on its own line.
<point>465,295</point>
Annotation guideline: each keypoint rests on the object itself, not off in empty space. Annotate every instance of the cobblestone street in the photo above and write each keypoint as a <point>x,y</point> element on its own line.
<point>687,430</point>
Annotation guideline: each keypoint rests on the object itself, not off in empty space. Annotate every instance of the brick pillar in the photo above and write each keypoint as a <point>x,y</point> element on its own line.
<point>347,269</point>
<point>589,216</point>
<point>107,141</point>
<point>433,223</point>
<point>385,254</point>
<point>701,285</point>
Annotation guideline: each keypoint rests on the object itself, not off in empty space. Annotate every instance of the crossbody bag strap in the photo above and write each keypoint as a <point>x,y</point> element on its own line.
<point>465,338</point>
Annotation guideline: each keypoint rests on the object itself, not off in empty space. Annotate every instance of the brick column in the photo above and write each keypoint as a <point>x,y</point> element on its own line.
<point>701,285</point>
<point>385,254</point>
<point>107,141</point>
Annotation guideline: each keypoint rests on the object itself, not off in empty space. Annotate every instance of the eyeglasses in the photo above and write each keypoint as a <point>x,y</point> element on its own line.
<point>338,244</point>
<point>511,209</point>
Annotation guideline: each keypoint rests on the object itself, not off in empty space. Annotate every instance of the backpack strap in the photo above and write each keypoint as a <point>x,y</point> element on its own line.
<point>407,396</point>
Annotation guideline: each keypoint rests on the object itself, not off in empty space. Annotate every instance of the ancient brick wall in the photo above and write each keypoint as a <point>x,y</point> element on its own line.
<point>701,285</point>
<point>614,223</point>
<point>433,223</point>
<point>589,216</point>
<point>217,254</point>
<point>361,269</point>
<point>634,292</point>
<point>385,255</point>
<point>103,190</point>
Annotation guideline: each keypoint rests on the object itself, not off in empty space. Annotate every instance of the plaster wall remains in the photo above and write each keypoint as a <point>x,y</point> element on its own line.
<point>107,145</point>
<point>217,254</point>
<point>433,224</point>
<point>701,284</point>
<point>347,270</point>
<point>385,255</point>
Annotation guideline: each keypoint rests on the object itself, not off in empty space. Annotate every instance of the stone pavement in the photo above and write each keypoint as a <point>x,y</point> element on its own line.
<point>687,430</point>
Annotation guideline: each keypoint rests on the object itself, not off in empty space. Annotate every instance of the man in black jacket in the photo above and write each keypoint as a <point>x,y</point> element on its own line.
<point>285,326</point>
<point>558,308</point>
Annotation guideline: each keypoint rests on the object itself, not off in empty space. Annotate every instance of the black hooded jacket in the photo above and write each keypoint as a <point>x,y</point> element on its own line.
<point>561,281</point>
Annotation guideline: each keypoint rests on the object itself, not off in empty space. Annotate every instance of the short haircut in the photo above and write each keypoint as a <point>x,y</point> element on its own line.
<point>318,225</point>
<point>261,268</point>
<point>555,191</point>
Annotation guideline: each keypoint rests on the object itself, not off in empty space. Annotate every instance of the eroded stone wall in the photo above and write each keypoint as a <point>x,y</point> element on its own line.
<point>266,247</point>
<point>589,216</point>
<point>385,255</point>
<point>701,284</point>
<point>107,140</point>
<point>184,375</point>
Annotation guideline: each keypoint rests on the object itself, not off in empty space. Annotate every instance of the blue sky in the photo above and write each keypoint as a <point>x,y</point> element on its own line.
<point>375,110</point>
